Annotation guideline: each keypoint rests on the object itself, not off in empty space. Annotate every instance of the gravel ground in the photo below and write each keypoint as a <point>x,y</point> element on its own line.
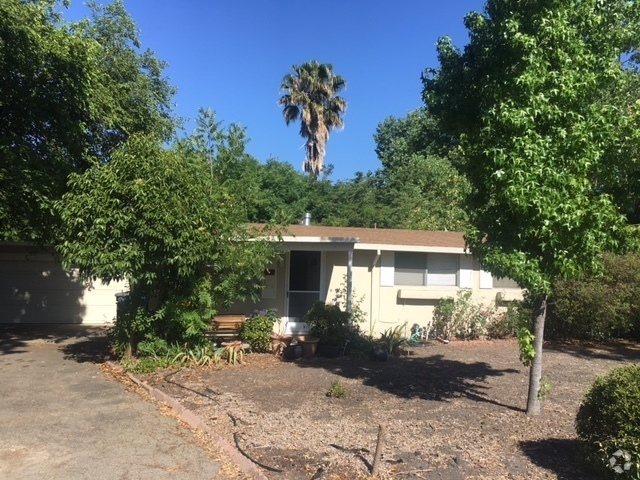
<point>451,411</point>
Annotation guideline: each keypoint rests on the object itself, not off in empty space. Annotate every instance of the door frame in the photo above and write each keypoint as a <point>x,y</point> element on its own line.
<point>321,293</point>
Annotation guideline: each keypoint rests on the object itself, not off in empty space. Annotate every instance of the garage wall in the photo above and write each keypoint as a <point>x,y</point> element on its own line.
<point>35,289</point>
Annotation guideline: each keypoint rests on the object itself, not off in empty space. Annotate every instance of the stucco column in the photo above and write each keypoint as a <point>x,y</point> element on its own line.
<point>349,278</point>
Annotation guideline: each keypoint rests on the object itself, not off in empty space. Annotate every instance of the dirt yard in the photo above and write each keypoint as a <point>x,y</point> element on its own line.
<point>450,411</point>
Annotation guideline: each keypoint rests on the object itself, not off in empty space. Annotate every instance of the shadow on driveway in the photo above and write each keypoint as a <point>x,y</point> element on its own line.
<point>81,343</point>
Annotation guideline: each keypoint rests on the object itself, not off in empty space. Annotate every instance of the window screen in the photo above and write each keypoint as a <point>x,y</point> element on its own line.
<point>442,269</point>
<point>410,268</point>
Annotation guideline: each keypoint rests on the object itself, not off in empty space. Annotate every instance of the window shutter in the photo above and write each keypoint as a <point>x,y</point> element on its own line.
<point>386,269</point>
<point>486,280</point>
<point>410,268</point>
<point>465,276</point>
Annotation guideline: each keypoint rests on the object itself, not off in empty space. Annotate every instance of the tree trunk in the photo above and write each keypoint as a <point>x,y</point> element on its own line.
<point>535,373</point>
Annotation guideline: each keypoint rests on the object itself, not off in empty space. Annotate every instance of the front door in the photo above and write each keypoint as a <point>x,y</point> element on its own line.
<point>304,287</point>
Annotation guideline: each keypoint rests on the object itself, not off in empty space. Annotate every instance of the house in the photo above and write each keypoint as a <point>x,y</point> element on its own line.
<point>394,276</point>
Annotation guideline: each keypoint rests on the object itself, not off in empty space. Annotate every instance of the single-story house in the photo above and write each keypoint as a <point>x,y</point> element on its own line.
<point>394,276</point>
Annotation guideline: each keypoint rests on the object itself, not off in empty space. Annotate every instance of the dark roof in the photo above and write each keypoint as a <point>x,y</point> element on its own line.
<point>380,236</point>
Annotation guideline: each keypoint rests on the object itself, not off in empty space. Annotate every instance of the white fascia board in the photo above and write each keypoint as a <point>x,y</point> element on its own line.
<point>317,243</point>
<point>290,239</point>
<point>409,248</point>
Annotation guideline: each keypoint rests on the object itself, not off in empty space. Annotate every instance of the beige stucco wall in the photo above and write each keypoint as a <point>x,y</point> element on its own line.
<point>35,289</point>
<point>382,305</point>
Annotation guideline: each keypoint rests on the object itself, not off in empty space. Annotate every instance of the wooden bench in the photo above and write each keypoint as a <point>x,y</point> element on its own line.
<point>226,327</point>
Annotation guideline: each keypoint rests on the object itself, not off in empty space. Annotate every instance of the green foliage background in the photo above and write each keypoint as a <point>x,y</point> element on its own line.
<point>69,94</point>
<point>598,307</point>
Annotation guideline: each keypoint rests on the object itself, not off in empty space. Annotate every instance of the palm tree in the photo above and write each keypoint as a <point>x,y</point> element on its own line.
<point>310,95</point>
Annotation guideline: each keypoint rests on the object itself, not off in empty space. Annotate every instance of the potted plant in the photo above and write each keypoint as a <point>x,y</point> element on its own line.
<point>258,330</point>
<point>279,340</point>
<point>330,325</point>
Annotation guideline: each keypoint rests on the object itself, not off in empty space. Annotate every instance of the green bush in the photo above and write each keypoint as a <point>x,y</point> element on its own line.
<point>360,344</point>
<point>598,308</point>
<point>329,323</point>
<point>257,330</point>
<point>609,422</point>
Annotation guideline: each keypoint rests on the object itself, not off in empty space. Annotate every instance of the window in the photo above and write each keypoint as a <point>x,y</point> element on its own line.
<point>442,269</point>
<point>410,268</point>
<point>420,269</point>
<point>505,282</point>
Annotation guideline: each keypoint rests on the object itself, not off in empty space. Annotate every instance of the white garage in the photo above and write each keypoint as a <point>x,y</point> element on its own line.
<point>35,289</point>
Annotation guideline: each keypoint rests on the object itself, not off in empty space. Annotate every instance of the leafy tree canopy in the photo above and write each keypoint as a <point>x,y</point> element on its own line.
<point>418,181</point>
<point>69,94</point>
<point>531,98</point>
<point>158,219</point>
<point>543,132</point>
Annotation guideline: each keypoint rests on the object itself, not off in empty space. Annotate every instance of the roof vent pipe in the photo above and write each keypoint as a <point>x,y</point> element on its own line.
<point>306,219</point>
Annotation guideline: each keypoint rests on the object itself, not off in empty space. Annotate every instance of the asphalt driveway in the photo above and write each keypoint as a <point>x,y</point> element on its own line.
<point>61,417</point>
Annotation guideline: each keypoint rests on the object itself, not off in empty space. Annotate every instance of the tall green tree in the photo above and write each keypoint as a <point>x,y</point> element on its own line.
<point>156,218</point>
<point>224,150</point>
<point>282,194</point>
<point>418,182</point>
<point>46,77</point>
<point>311,95</point>
<point>543,133</point>
<point>69,94</point>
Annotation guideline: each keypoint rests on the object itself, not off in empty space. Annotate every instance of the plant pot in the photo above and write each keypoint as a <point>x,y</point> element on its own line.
<point>378,354</point>
<point>292,352</point>
<point>276,340</point>
<point>309,345</point>
<point>329,351</point>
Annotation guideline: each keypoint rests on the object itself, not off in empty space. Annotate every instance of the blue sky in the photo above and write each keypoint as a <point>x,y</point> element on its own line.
<point>231,55</point>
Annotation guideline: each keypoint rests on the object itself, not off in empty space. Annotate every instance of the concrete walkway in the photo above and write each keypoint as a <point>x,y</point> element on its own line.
<point>62,418</point>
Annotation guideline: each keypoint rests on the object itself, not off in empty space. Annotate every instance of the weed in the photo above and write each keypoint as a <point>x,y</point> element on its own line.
<point>337,390</point>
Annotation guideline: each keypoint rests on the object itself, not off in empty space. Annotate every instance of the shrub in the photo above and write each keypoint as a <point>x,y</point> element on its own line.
<point>330,324</point>
<point>257,330</point>
<point>609,422</point>
<point>459,317</point>
<point>358,315</point>
<point>598,308</point>
<point>360,344</point>
<point>393,338</point>
<point>508,323</point>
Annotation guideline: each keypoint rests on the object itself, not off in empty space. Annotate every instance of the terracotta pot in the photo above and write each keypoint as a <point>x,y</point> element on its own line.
<point>276,340</point>
<point>309,345</point>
